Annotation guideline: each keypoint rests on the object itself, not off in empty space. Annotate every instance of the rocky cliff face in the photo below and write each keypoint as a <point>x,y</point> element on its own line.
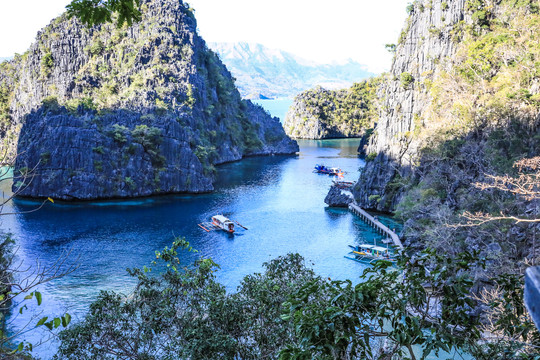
<point>141,110</point>
<point>426,47</point>
<point>326,114</point>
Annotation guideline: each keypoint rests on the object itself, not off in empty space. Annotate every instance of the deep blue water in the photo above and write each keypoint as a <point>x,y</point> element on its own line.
<point>278,198</point>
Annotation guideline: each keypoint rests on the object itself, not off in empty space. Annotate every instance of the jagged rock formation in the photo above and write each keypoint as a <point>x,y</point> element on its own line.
<point>261,72</point>
<point>325,114</point>
<point>136,111</point>
<point>460,108</point>
<point>337,198</point>
<point>425,46</point>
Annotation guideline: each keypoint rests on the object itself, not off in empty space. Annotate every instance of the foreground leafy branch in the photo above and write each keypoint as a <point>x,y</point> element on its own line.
<point>426,305</point>
<point>94,12</point>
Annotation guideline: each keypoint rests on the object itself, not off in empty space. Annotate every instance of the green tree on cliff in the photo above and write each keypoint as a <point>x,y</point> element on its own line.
<point>93,12</point>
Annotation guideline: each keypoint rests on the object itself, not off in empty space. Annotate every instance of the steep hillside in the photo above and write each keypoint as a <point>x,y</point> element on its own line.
<point>325,114</point>
<point>461,104</point>
<point>141,110</point>
<point>425,49</point>
<point>261,72</point>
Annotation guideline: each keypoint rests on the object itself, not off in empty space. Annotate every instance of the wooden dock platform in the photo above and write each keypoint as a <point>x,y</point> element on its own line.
<point>383,229</point>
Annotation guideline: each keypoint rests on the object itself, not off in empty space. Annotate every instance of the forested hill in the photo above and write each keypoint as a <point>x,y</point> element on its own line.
<point>322,114</point>
<point>261,72</point>
<point>120,112</point>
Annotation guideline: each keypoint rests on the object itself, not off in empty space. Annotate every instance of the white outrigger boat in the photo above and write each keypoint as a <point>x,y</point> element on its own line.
<point>220,222</point>
<point>223,223</point>
<point>369,253</point>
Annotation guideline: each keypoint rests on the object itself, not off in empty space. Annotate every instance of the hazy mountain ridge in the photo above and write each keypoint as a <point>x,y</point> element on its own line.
<point>273,73</point>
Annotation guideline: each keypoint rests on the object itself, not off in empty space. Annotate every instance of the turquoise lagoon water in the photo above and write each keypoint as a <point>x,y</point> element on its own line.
<point>277,107</point>
<point>278,198</point>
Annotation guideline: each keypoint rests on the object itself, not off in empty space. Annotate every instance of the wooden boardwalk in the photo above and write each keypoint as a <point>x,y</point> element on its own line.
<point>383,229</point>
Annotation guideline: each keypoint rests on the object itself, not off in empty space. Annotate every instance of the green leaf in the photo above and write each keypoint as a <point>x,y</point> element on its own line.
<point>66,319</point>
<point>42,321</point>
<point>38,298</point>
<point>57,322</point>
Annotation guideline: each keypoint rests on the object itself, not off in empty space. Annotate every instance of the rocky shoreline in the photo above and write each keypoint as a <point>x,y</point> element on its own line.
<point>337,197</point>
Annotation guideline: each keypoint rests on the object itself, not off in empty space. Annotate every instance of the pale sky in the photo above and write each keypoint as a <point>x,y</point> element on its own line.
<point>317,30</point>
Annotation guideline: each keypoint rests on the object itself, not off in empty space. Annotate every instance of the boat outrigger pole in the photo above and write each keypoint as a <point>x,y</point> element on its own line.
<point>202,227</point>
<point>242,226</point>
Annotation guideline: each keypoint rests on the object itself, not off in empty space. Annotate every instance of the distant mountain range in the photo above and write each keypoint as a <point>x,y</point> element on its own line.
<point>262,73</point>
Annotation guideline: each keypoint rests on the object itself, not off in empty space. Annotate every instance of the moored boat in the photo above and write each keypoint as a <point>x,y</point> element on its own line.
<point>223,223</point>
<point>334,171</point>
<point>369,253</point>
<point>220,222</point>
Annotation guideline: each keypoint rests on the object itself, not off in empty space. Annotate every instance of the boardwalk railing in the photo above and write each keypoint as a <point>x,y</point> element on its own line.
<point>383,229</point>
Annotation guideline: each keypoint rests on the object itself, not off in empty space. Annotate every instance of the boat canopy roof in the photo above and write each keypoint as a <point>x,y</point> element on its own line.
<point>222,219</point>
<point>366,246</point>
<point>379,248</point>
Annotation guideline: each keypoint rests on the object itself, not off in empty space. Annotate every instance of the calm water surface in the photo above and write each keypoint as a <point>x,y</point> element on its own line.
<point>276,107</point>
<point>278,198</point>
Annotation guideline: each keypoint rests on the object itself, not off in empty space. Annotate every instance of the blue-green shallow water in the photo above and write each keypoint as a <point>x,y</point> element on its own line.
<point>276,107</point>
<point>278,198</point>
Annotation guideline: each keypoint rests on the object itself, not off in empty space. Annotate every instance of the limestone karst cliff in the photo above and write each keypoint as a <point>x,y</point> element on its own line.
<point>322,114</point>
<point>425,48</point>
<point>460,108</point>
<point>133,111</point>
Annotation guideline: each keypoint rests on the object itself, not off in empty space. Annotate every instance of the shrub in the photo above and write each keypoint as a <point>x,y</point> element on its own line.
<point>47,63</point>
<point>129,182</point>
<point>406,79</point>
<point>45,157</point>
<point>96,47</point>
<point>50,103</point>
<point>98,165</point>
<point>119,133</point>
<point>86,103</point>
<point>99,150</point>
<point>371,156</point>
<point>409,9</point>
<point>149,137</point>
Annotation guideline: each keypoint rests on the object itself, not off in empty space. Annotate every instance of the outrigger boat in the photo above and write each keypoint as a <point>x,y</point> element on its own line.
<point>220,222</point>
<point>321,169</point>
<point>369,253</point>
